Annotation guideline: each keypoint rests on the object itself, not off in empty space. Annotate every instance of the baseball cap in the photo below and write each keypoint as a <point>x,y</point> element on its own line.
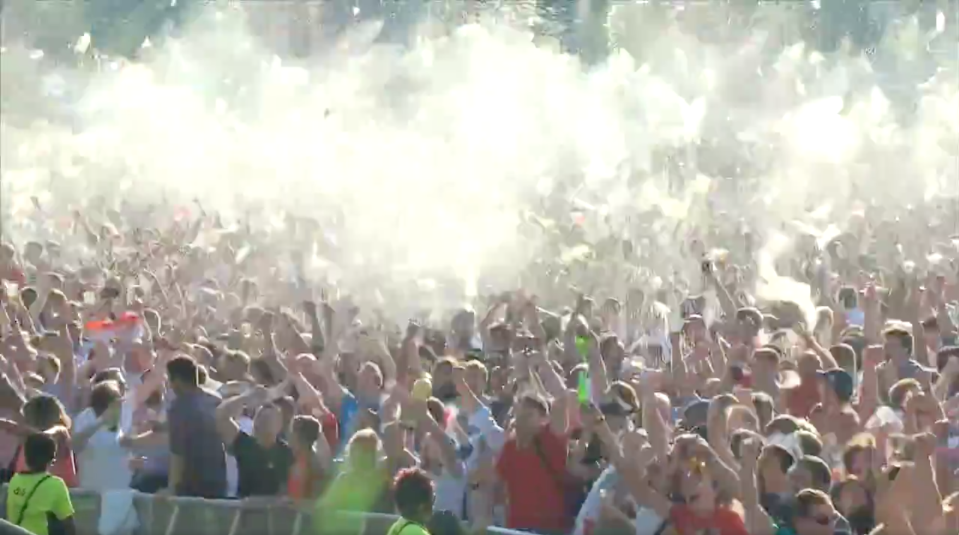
<point>840,381</point>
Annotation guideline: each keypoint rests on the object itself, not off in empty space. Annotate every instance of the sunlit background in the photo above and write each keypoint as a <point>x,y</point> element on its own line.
<point>438,150</point>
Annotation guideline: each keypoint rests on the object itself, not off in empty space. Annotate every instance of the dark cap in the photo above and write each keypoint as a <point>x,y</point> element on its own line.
<point>694,414</point>
<point>841,383</point>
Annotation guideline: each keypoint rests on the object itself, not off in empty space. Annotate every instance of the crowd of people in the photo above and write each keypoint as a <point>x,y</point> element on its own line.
<point>167,369</point>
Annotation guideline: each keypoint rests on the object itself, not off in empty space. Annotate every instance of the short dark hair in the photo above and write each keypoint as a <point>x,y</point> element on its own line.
<point>786,459</point>
<point>39,450</point>
<point>904,337</point>
<point>183,369</point>
<point>306,429</point>
<point>103,395</point>
<point>412,490</point>
<point>768,354</point>
<point>818,469</point>
<point>809,498</point>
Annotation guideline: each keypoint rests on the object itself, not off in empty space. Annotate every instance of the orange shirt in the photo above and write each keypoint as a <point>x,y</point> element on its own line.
<point>304,480</point>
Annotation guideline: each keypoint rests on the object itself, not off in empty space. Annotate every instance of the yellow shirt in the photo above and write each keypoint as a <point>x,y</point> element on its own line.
<point>405,527</point>
<point>50,497</point>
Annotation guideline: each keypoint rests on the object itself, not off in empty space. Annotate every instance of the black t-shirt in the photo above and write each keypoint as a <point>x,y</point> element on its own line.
<point>261,471</point>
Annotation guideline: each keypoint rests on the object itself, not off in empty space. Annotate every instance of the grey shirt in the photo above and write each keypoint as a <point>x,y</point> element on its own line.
<point>194,439</point>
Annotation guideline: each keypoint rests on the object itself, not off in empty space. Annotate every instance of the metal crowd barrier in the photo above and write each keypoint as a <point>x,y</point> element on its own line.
<point>197,516</point>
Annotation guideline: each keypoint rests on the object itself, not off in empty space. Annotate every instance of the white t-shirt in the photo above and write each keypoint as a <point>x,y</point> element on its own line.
<point>451,492</point>
<point>103,464</point>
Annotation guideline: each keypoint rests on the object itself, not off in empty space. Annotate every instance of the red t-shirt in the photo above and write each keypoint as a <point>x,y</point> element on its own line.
<point>722,521</point>
<point>534,492</point>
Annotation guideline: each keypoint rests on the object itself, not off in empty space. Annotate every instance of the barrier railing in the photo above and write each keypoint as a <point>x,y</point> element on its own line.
<point>158,515</point>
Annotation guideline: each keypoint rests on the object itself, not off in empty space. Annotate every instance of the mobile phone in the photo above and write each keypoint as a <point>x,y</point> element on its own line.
<point>89,298</point>
<point>894,472</point>
<point>706,267</point>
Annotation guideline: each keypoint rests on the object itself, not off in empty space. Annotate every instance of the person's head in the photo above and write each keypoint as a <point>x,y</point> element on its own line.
<point>304,432</point>
<point>111,374</point>
<point>773,467</point>
<point>363,450</point>
<point>809,441</point>
<point>619,406</point>
<point>477,376</point>
<point>857,455</point>
<point>696,487</point>
<point>443,386</point>
<point>765,365</point>
<point>900,392</point>
<point>898,344</point>
<point>413,493</point>
<point>810,473</point>
<point>140,357</point>
<point>531,414</point>
<point>44,412</point>
<point>835,388</point>
<point>103,396</point>
<point>845,356</point>
<point>39,451</point>
<point>612,350</point>
<point>370,381</point>
<point>814,513</point>
<point>234,366</point>
<point>182,374</point>
<point>267,423</point>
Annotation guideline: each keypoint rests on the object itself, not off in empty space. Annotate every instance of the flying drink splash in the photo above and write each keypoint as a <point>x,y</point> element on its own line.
<point>477,158</point>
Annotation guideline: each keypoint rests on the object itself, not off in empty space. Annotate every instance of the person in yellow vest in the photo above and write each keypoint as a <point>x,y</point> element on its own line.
<point>37,500</point>
<point>413,494</point>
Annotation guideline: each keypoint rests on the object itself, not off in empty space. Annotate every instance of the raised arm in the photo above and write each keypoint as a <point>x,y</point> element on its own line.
<point>228,410</point>
<point>757,521</point>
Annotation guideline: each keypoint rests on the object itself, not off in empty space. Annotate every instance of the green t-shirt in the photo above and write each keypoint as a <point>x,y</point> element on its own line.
<point>406,527</point>
<point>50,497</point>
